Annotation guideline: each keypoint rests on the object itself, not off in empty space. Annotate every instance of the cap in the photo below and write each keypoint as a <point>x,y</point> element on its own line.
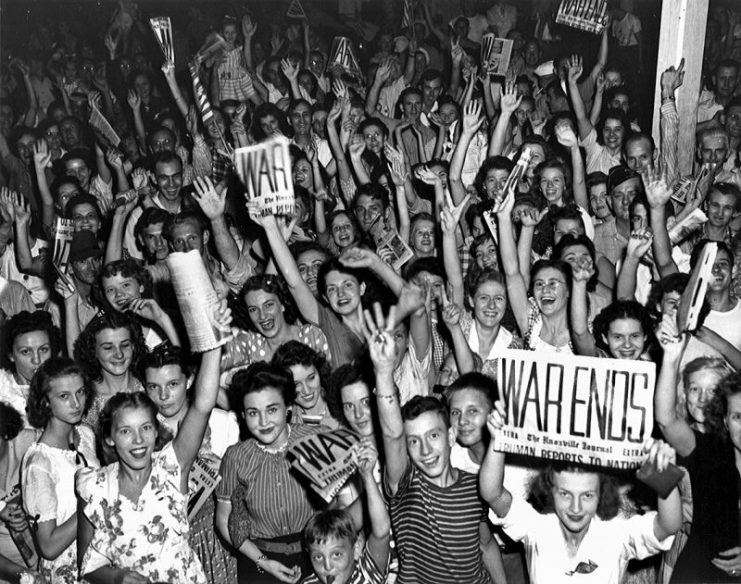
<point>84,245</point>
<point>618,175</point>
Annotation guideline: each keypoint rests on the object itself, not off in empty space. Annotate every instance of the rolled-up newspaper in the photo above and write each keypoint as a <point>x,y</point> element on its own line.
<point>197,300</point>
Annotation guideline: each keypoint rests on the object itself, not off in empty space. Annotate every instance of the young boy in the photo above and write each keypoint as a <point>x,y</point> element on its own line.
<point>331,534</point>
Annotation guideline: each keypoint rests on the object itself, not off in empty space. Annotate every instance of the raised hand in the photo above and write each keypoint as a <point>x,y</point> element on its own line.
<point>191,121</point>
<point>658,192</point>
<point>575,68</point>
<point>21,210</point>
<point>377,332</point>
<point>600,83</point>
<point>357,146</point>
<point>509,101</point>
<point>427,176</point>
<point>532,217</point>
<point>456,53</point>
<point>583,270</point>
<point>7,211</point>
<point>289,69</point>
<point>114,158</point>
<point>366,456</point>
<point>357,258</point>
<point>639,243</point>
<point>41,155</point>
<point>669,337</point>
<point>384,71</point>
<point>497,418</point>
<point>659,453</point>
<point>672,78</point>
<point>451,313</point>
<point>334,112</point>
<point>339,88</point>
<point>472,118</point>
<point>249,27</point>
<point>133,99</point>
<point>565,134</point>
<point>139,178</point>
<point>210,198</point>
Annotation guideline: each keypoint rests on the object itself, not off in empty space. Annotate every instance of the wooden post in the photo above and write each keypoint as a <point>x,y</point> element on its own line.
<point>682,34</point>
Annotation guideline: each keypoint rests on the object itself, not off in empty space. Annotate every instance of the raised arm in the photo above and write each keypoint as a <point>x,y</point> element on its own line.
<point>581,336</point>
<point>41,161</point>
<point>583,122</point>
<point>449,219</point>
<point>491,475</point>
<point>671,80</point>
<point>381,345</point>
<point>599,66</point>
<point>658,195</point>
<point>668,520</point>
<point>567,138</point>
<point>463,355</point>
<point>638,245</point>
<point>470,124</point>
<point>674,428</point>
<point>212,201</point>
<point>509,102</point>
<point>168,69</point>
<point>380,521</point>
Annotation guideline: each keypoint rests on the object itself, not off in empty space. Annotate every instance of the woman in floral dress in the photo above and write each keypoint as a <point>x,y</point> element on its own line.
<point>57,399</point>
<point>134,520</point>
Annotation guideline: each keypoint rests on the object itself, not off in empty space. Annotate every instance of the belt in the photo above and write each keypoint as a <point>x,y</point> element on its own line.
<point>279,547</point>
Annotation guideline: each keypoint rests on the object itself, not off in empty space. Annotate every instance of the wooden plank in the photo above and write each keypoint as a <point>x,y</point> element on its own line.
<point>682,34</point>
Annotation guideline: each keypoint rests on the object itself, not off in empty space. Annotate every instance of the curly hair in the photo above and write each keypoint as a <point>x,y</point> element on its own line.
<point>29,322</point>
<point>491,163</point>
<point>11,422</point>
<point>126,269</point>
<point>568,241</point>
<point>541,489</point>
<point>622,309</point>
<point>257,377</point>
<point>717,409</point>
<point>557,164</point>
<point>123,400</point>
<point>38,408</point>
<point>419,405</point>
<point>344,375</point>
<point>296,353</point>
<point>271,284</point>
<point>86,343</point>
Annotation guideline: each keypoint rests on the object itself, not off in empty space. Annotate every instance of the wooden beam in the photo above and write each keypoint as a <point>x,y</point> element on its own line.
<point>682,34</point>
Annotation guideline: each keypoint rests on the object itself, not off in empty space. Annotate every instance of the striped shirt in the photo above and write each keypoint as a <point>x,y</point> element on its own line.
<point>270,501</point>
<point>437,530</point>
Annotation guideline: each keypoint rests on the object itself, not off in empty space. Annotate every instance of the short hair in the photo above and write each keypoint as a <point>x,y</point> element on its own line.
<point>373,190</point>
<point>296,353</point>
<point>476,381</point>
<point>541,489</point>
<point>135,400</point>
<point>297,102</point>
<point>729,190</point>
<point>613,114</point>
<point>569,211</point>
<point>164,355</point>
<point>726,64</point>
<point>431,265</point>
<point>345,375</point>
<point>483,276</point>
<point>77,154</point>
<point>554,263</point>
<point>272,284</point>
<point>257,377</point>
<point>129,268</point>
<point>618,310</point>
<point>613,92</point>
<point>569,240</point>
<point>410,91</point>
<point>150,216</point>
<point>189,216</point>
<point>82,199</point>
<point>330,524</point>
<point>421,404</point>
<point>37,407</point>
<point>165,157</point>
<point>713,132</point>
<point>150,136</point>
<point>700,246</point>
<point>596,178</point>
<point>299,247</point>
<point>372,121</point>
<point>85,344</point>
<point>430,75</point>
<point>491,163</point>
<point>29,322</point>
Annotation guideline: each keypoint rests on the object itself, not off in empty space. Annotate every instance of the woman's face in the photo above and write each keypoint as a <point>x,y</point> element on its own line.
<point>550,290</point>
<point>308,385</point>
<point>216,128</point>
<point>230,33</point>
<point>575,499</point>
<point>120,290</point>
<point>29,351</point>
<point>489,303</point>
<point>343,292</point>
<point>114,350</point>
<point>85,216</point>
<point>552,184</point>
<point>639,217</point>
<point>269,125</point>
<point>133,435</point>
<point>701,387</point>
<point>308,264</point>
<point>523,112</point>
<point>266,312</point>
<point>79,169</point>
<point>356,407</point>
<point>343,231</point>
<point>486,255</point>
<point>468,411</point>
<point>495,180</point>
<point>266,415</point>
<point>67,398</point>
<point>613,134</point>
<point>423,237</point>
<point>374,139</point>
<point>167,387</point>
<point>302,174</point>
<point>625,338</point>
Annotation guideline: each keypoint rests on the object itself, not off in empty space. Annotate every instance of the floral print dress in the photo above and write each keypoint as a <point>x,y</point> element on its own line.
<point>150,536</point>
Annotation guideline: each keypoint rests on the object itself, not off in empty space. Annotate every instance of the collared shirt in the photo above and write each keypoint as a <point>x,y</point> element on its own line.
<point>598,157</point>
<point>608,240</point>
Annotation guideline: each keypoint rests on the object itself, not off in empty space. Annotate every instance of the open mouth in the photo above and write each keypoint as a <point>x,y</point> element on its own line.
<point>138,453</point>
<point>267,325</point>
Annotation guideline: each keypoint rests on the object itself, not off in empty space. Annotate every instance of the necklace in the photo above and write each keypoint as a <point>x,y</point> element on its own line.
<point>282,448</point>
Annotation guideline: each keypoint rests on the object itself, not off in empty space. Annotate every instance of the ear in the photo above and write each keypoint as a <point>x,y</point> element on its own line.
<point>362,288</point>
<point>470,300</point>
<point>141,289</point>
<point>206,236</point>
<point>189,381</point>
<point>452,435</point>
<point>109,441</point>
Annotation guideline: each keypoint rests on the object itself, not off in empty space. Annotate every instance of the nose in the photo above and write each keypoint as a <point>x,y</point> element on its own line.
<point>138,438</point>
<point>425,447</point>
<point>35,359</point>
<point>75,401</point>
<point>118,353</point>
<point>164,394</point>
<point>575,506</point>
<point>263,418</point>
<point>327,564</point>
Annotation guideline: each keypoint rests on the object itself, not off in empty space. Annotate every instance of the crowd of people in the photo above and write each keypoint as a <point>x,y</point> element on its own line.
<point>381,305</point>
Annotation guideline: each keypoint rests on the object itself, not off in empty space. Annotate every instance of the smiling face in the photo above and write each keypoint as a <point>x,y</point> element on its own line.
<point>230,33</point>
<point>622,196</point>
<point>67,398</point>
<point>266,312</point>
<point>714,149</point>
<point>613,134</point>
<point>625,338</point>
<point>374,138</point>
<point>169,177</point>
<point>552,184</point>
<point>468,411</point>
<point>733,419</point>
<point>114,350</point>
<point>429,441</point>
<point>308,264</point>
<point>300,117</point>
<point>575,254</point>
<point>550,290</point>
<point>448,371</point>
<point>485,255</point>
<point>721,280</point>
<point>368,210</point>
<point>302,174</point>
<point>266,415</point>
<point>308,385</point>
<point>720,209</point>
<point>85,216</point>
<point>575,499</point>
<point>119,290</point>
<point>78,168</point>
<point>356,407</point>
<point>167,387</point>
<point>343,292</point>
<point>154,242</point>
<point>332,558</point>
<point>29,351</point>
<point>423,237</point>
<point>133,436</point>
<point>188,236</point>
<point>700,390</point>
<point>343,231</point>
<point>489,303</point>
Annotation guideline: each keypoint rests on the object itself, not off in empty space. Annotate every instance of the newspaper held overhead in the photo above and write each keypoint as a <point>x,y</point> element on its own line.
<point>495,53</point>
<point>197,301</point>
<point>585,410</point>
<point>102,126</point>
<point>64,230</point>
<point>586,15</point>
<point>162,28</point>
<point>343,54</point>
<point>325,459</point>
<point>693,296</point>
<point>265,171</point>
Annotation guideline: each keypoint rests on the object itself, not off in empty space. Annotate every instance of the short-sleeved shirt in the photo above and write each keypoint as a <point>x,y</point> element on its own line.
<point>437,530</point>
<point>598,157</point>
<point>602,555</point>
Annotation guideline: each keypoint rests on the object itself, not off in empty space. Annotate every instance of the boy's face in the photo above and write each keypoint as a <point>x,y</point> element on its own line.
<point>721,209</point>
<point>429,441</point>
<point>332,557</point>
<point>468,411</point>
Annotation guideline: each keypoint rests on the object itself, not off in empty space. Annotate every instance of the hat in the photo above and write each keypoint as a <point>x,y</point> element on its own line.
<point>618,175</point>
<point>84,245</point>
